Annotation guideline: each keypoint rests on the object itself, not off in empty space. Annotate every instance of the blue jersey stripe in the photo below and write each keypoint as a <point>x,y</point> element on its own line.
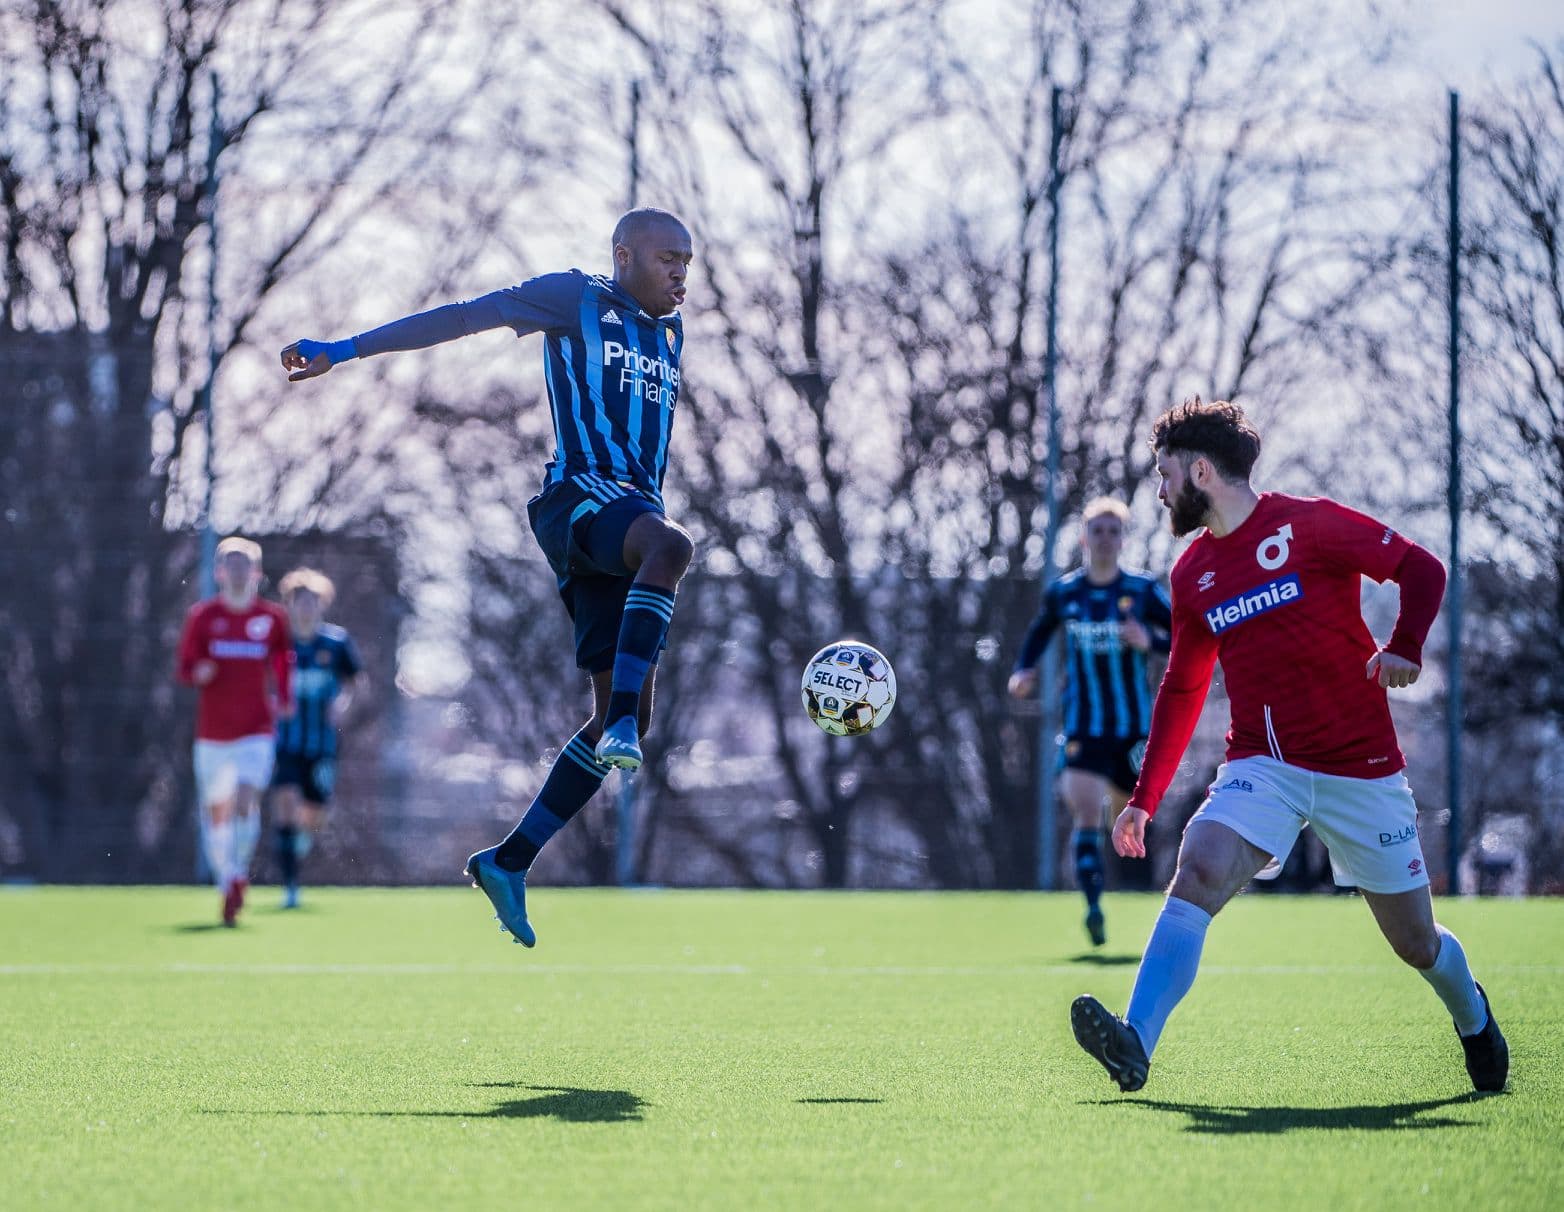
<point>593,340</point>
<point>1142,697</point>
<point>558,368</point>
<point>1093,687</point>
<point>637,392</point>
<point>1121,702</point>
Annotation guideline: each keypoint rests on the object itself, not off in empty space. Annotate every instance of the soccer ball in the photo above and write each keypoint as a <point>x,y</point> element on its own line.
<point>849,688</point>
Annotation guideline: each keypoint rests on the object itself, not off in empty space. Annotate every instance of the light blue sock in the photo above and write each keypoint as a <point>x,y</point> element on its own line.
<point>1452,981</point>
<point>1167,969</point>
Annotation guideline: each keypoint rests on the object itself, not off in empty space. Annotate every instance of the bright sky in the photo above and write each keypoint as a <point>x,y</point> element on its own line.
<point>1469,41</point>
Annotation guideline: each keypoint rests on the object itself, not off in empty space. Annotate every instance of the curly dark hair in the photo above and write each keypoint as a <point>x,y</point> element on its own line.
<point>1218,430</point>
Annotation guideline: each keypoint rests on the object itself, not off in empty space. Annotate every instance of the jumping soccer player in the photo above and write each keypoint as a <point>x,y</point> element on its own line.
<point>234,649</point>
<point>326,669</point>
<point>1271,589</point>
<point>611,364</point>
<point>1112,619</point>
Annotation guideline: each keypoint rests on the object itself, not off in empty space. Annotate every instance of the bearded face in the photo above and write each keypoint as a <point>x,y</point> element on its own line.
<point>1189,509</point>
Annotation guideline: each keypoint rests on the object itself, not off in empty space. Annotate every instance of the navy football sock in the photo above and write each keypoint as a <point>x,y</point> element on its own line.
<point>648,611</point>
<point>288,854</point>
<point>576,775</point>
<point>1088,864</point>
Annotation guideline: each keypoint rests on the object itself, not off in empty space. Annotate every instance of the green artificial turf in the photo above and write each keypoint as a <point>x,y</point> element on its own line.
<point>390,1049</point>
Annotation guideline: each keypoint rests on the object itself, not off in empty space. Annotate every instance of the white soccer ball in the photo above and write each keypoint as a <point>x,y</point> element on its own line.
<point>849,688</point>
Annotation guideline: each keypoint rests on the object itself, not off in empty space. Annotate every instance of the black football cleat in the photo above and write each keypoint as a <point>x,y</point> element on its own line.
<point>1487,1053</point>
<point>1110,1041</point>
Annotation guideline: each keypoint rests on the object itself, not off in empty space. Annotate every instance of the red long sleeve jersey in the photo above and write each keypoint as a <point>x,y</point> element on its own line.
<point>247,645</point>
<point>1278,601</point>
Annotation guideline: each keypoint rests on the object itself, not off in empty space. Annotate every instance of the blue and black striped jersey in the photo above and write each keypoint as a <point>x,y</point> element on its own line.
<point>323,662</point>
<point>612,369</point>
<point>1106,690</point>
<point>612,372</point>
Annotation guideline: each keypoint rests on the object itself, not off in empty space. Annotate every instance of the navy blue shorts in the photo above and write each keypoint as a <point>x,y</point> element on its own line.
<point>1117,759</point>
<point>315,777</point>
<point>580,524</point>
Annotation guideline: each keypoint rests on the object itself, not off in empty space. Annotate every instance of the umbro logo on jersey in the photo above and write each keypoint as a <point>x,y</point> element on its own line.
<point>1207,579</point>
<point>612,317</point>
<point>1265,598</point>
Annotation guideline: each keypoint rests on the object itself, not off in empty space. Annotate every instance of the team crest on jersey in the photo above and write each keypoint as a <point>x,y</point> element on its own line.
<point>258,627</point>
<point>668,334</point>
<point>1272,552</point>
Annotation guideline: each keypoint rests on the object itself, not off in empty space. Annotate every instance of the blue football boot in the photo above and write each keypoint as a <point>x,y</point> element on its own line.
<point>507,892</point>
<point>620,744</point>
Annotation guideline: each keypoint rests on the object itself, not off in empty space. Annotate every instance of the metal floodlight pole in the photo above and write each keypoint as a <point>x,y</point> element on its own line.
<point>624,801</point>
<point>208,556</point>
<point>214,146</point>
<point>1453,708</point>
<point>1047,859</point>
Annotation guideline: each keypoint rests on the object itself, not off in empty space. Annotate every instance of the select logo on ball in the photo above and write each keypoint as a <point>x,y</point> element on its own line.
<point>849,688</point>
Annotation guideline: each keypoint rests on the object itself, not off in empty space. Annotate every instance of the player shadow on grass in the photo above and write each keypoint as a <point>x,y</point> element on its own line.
<point>1098,959</point>
<point>570,1104</point>
<point>1270,1121</point>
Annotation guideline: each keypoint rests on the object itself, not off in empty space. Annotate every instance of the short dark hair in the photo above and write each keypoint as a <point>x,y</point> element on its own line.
<point>633,222</point>
<point>1218,430</point>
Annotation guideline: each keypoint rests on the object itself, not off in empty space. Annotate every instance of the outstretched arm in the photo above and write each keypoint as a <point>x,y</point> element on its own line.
<point>536,304</point>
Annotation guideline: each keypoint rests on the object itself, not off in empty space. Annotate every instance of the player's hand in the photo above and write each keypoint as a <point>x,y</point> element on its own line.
<point>306,360</point>
<point>1390,671</point>
<point>203,671</point>
<point>1023,683</point>
<point>1129,832</point>
<point>1134,634</point>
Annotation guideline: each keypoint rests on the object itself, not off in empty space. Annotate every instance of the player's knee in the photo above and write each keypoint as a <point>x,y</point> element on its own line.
<point>675,549</point>
<point>1420,950</point>
<point>1199,882</point>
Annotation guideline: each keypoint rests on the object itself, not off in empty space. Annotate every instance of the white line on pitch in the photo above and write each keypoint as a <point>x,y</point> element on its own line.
<point>780,970</point>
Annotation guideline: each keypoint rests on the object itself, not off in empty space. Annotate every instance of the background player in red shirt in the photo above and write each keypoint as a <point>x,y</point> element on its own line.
<point>1271,587</point>
<point>236,651</point>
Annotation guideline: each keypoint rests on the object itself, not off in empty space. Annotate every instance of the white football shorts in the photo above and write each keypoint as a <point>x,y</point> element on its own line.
<point>1368,825</point>
<point>222,767</point>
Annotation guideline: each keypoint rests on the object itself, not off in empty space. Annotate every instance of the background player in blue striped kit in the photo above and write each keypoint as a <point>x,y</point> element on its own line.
<point>611,355</point>
<point>326,667</point>
<point>1112,618</point>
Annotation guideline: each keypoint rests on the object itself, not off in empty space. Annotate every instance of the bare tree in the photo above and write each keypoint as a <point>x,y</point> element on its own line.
<point>108,139</point>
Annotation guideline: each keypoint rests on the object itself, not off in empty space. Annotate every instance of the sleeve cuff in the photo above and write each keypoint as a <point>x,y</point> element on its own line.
<point>1406,648</point>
